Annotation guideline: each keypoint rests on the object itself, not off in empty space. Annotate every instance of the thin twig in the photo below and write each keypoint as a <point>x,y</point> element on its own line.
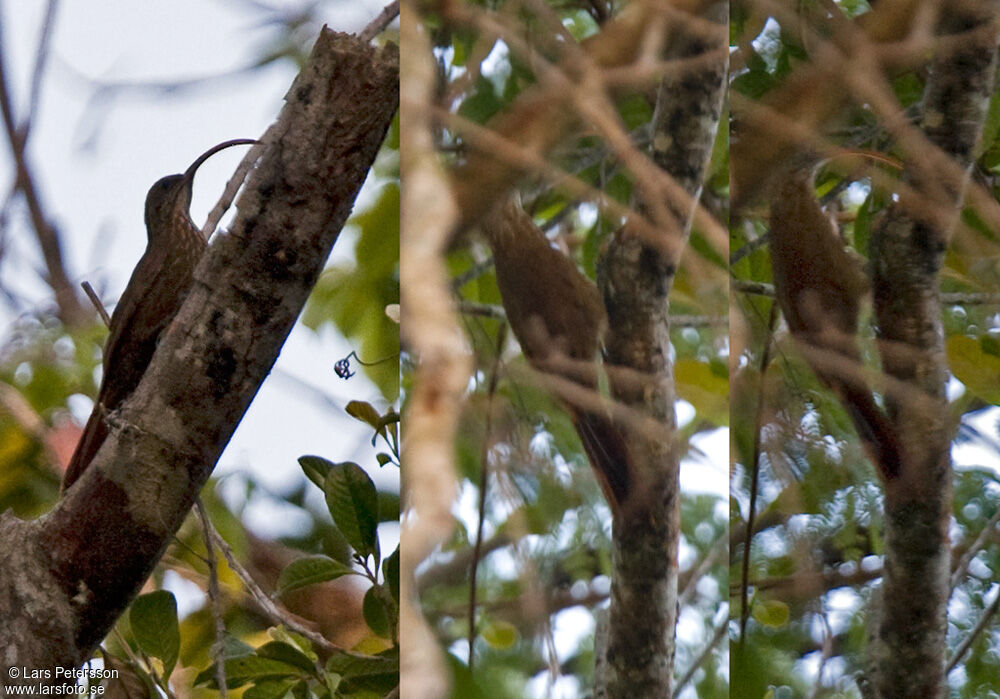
<point>138,666</point>
<point>96,300</point>
<point>970,299</point>
<point>963,564</point>
<point>484,310</point>
<point>696,321</point>
<point>971,638</point>
<point>754,480</point>
<point>474,272</point>
<point>702,569</point>
<point>48,238</point>
<point>489,310</point>
<point>218,649</point>
<point>749,247</point>
<point>484,474</point>
<point>269,608</point>
<point>758,288</point>
<point>720,631</point>
<point>378,25</point>
<point>41,60</point>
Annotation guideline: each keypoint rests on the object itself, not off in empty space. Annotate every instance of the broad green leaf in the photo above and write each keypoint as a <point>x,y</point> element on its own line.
<point>286,653</point>
<point>153,618</point>
<point>353,503</point>
<point>975,366</point>
<point>270,689</point>
<point>703,388</point>
<point>773,613</point>
<point>500,634</point>
<point>375,613</point>
<point>360,410</point>
<point>316,468</point>
<point>310,571</point>
<point>351,666</point>
<point>250,668</point>
<point>390,569</point>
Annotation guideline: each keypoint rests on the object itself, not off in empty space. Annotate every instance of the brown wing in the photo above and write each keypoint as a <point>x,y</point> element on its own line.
<point>553,309</point>
<point>818,286</point>
<point>152,298</point>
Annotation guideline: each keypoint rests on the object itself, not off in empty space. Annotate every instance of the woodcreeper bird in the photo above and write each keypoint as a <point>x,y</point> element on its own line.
<point>819,287</point>
<point>152,298</point>
<point>554,311</point>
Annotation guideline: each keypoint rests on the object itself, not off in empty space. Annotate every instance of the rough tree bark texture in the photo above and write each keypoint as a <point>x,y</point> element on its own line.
<point>907,648</point>
<point>67,576</point>
<point>635,278</point>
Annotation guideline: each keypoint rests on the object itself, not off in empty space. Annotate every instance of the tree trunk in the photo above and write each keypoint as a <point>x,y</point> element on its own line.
<point>70,574</point>
<point>635,276</point>
<point>906,654</point>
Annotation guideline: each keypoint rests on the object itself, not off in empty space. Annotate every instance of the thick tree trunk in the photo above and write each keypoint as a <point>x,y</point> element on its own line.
<point>907,647</point>
<point>635,277</point>
<point>70,574</point>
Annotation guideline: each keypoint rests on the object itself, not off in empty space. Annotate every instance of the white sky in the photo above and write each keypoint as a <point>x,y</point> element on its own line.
<point>94,191</point>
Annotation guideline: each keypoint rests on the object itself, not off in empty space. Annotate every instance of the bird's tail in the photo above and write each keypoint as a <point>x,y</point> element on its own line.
<point>874,428</point>
<point>608,454</point>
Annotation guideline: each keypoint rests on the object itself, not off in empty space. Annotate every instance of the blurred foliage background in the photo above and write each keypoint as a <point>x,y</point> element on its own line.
<point>542,577</point>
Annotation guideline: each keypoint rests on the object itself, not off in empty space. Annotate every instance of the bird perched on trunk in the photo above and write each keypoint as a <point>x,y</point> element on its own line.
<point>556,312</point>
<point>819,287</point>
<point>151,299</point>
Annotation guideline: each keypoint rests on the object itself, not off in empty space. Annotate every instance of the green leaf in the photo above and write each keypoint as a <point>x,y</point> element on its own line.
<point>375,613</point>
<point>500,634</point>
<point>703,388</point>
<point>482,103</point>
<point>353,503</point>
<point>390,570</point>
<point>354,666</point>
<point>975,366</point>
<point>387,423</point>
<point>270,689</point>
<point>773,613</point>
<point>365,412</point>
<point>333,681</point>
<point>276,650</point>
<point>240,671</point>
<point>153,618</point>
<point>316,468</point>
<point>310,571</point>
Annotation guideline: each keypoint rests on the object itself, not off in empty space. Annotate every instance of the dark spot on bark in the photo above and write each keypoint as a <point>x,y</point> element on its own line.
<point>930,245</point>
<point>83,561</point>
<point>217,323</point>
<point>221,371</point>
<point>304,93</point>
<point>260,307</point>
<point>279,261</point>
<point>653,267</point>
